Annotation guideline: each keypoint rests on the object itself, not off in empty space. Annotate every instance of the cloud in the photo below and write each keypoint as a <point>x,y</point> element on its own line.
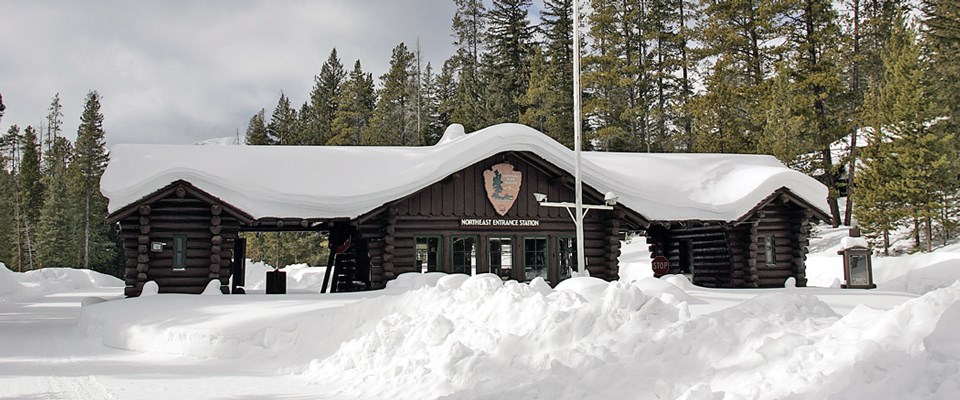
<point>182,71</point>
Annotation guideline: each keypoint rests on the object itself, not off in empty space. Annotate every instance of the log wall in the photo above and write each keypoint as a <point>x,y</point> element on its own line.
<point>210,236</point>
<point>734,255</point>
<point>438,209</point>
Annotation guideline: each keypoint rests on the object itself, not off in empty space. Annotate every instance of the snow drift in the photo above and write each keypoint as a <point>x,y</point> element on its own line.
<point>477,337</point>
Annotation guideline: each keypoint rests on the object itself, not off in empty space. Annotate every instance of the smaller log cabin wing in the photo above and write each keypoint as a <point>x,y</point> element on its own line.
<point>763,248</point>
<point>465,205</point>
<point>180,237</point>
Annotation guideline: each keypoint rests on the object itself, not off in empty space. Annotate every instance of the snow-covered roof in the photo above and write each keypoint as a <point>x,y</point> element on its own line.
<point>346,181</point>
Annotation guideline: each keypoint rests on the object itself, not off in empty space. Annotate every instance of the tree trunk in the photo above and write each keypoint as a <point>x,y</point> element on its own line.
<point>929,234</point>
<point>86,229</point>
<point>831,183</point>
<point>886,242</point>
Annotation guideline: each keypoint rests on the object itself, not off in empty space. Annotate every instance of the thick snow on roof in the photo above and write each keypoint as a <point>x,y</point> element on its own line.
<point>343,181</point>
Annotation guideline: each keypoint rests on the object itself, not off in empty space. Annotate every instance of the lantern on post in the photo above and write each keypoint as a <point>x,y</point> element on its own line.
<point>857,264</point>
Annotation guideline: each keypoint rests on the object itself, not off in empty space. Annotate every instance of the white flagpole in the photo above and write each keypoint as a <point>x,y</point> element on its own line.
<point>581,260</point>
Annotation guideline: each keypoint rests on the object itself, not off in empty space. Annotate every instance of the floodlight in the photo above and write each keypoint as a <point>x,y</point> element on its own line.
<point>610,199</point>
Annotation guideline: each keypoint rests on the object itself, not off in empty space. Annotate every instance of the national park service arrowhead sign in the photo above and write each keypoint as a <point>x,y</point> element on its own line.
<point>503,185</point>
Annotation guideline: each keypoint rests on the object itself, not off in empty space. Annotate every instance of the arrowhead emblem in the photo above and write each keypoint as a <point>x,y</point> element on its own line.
<point>503,185</point>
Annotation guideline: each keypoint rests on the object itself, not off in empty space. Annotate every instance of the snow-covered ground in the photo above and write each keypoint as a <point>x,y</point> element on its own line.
<point>437,336</point>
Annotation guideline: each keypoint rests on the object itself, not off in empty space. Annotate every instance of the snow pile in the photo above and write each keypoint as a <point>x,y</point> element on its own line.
<point>477,337</point>
<point>9,283</point>
<point>490,340</point>
<point>45,281</point>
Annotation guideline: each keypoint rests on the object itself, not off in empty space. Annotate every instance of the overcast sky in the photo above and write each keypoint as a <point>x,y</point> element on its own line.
<point>173,71</point>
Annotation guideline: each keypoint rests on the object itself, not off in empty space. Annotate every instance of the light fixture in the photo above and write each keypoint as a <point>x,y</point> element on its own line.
<point>540,197</point>
<point>610,199</point>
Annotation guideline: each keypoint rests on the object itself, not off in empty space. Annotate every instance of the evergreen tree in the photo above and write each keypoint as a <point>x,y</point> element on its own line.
<point>57,231</point>
<point>549,98</point>
<point>446,97</point>
<point>817,75</point>
<point>8,211</point>
<point>31,193</point>
<point>391,121</point>
<point>257,130</point>
<point>736,39</point>
<point>943,43</point>
<point>283,128</point>
<point>13,203</point>
<point>469,25</point>
<point>509,38</point>
<point>90,159</point>
<point>923,160</point>
<point>431,128</point>
<point>54,123</point>
<point>319,113</point>
<point>354,109</point>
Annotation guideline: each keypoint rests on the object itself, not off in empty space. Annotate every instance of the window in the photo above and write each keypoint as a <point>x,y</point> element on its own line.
<point>535,258</point>
<point>464,252</point>
<point>771,250</point>
<point>567,256</point>
<point>428,253</point>
<point>501,256</point>
<point>179,252</point>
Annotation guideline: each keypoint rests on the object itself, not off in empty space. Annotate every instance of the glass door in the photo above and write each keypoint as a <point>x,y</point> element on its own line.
<point>535,258</point>
<point>500,251</point>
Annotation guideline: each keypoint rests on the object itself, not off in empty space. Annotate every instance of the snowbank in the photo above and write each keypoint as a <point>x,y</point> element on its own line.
<point>51,280</point>
<point>436,336</point>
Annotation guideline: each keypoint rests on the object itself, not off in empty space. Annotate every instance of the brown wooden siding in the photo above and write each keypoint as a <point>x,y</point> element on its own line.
<point>438,209</point>
<point>210,236</point>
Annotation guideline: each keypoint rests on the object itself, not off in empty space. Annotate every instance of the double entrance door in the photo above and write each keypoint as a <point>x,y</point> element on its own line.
<point>520,257</point>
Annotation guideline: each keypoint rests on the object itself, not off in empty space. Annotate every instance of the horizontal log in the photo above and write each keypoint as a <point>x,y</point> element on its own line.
<point>182,289</point>
<point>166,272</point>
<point>775,273</point>
<point>771,282</point>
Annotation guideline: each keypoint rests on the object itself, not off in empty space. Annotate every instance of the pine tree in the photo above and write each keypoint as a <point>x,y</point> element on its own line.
<point>12,199</point>
<point>432,128</point>
<point>446,96</point>
<point>469,25</point>
<point>355,108</point>
<point>31,192</point>
<point>283,128</point>
<point>736,39</point>
<point>507,66</point>
<point>8,224</point>
<point>816,71</point>
<point>257,130</point>
<point>90,160</point>
<point>54,123</point>
<point>923,166</point>
<point>319,113</point>
<point>57,232</point>
<point>391,121</point>
<point>549,98</point>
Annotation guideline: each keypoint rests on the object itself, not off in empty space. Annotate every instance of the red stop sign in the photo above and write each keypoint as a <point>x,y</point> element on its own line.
<point>661,265</point>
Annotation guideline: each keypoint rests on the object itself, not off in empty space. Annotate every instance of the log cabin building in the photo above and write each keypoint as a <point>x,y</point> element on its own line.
<point>465,205</point>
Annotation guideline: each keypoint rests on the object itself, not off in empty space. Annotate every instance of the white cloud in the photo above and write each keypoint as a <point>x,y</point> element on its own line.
<point>183,71</point>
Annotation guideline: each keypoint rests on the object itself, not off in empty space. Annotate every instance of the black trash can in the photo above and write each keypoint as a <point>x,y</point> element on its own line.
<point>276,282</point>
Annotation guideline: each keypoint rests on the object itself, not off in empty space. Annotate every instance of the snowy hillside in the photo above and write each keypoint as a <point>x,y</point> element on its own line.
<point>437,336</point>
